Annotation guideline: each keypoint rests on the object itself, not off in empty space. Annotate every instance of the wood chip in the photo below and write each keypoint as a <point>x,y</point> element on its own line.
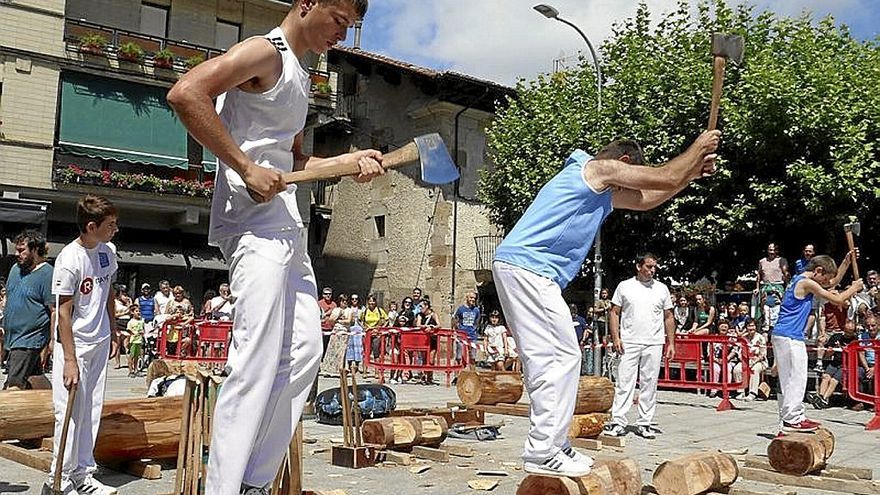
<point>485,485</point>
<point>490,472</point>
<point>319,450</point>
<point>419,469</point>
<point>735,451</point>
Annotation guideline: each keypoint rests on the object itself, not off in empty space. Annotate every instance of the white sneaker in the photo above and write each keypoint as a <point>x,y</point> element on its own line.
<point>558,465</point>
<point>67,487</point>
<point>253,490</point>
<point>90,486</point>
<point>615,431</point>
<point>645,431</point>
<point>577,456</point>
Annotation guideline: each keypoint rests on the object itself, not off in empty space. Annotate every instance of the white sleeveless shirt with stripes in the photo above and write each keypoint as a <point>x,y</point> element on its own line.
<point>264,126</point>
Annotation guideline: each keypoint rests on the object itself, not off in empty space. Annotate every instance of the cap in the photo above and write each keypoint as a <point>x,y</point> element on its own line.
<point>145,285</point>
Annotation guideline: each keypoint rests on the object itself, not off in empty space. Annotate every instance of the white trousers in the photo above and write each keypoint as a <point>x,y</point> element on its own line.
<point>639,362</point>
<point>791,362</point>
<point>540,323</point>
<point>85,417</point>
<point>275,355</point>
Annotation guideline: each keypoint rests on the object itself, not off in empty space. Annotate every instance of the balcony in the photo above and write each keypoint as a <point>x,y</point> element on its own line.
<point>486,245</point>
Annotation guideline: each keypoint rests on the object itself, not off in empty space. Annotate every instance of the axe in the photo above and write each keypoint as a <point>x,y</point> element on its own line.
<point>853,228</point>
<point>724,47</point>
<point>429,150</point>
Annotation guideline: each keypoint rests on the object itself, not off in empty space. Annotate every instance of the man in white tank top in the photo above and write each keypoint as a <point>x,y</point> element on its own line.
<point>255,130</point>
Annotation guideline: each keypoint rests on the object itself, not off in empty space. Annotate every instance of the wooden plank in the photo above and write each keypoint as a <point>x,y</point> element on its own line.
<point>429,453</point>
<point>733,490</point>
<point>36,459</point>
<point>830,471</point>
<point>587,443</point>
<point>521,410</point>
<point>143,469</point>
<point>399,458</point>
<point>861,487</point>
<point>47,444</point>
<point>612,441</point>
<point>458,450</point>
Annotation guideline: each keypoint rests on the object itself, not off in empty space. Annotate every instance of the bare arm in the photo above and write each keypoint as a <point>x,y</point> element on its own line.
<point>369,161</point>
<point>842,268</point>
<point>614,324</point>
<point>669,321</point>
<point>671,176</point>
<point>65,337</point>
<point>254,66</point>
<point>839,298</point>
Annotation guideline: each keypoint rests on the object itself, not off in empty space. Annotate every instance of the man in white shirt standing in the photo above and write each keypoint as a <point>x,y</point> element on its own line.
<point>641,320</point>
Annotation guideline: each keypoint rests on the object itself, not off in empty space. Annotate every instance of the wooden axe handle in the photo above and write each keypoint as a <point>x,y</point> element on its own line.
<point>852,248</point>
<point>717,82</point>
<point>396,158</point>
<point>59,458</point>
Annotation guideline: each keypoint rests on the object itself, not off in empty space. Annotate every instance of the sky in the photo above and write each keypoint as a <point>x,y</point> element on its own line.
<point>504,40</point>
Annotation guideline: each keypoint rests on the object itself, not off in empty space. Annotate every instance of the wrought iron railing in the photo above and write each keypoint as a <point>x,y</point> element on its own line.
<point>486,245</point>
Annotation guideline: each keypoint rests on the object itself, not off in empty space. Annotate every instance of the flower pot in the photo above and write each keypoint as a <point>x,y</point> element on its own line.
<point>163,63</point>
<point>91,49</point>
<point>127,57</point>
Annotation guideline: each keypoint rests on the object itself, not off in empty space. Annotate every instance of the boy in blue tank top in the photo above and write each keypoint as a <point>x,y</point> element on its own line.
<point>544,252</point>
<point>789,348</point>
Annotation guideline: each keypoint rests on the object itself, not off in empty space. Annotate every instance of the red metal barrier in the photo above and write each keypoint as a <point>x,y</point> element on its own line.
<point>208,341</point>
<point>710,372</point>
<point>853,381</point>
<point>415,349</point>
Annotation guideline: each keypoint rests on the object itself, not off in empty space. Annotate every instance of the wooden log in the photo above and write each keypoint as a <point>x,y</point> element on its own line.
<point>489,387</point>
<point>801,453</point>
<point>608,477</point>
<point>405,431</point>
<point>595,394</point>
<point>695,473</point>
<point>587,425</point>
<point>130,428</point>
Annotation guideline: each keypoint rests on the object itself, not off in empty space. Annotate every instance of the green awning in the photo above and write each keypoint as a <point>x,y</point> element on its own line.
<point>118,120</point>
<point>209,161</point>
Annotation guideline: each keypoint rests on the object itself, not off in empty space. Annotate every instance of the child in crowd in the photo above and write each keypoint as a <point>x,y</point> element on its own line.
<point>81,283</point>
<point>789,348</point>
<point>511,360</point>
<point>496,341</point>
<point>136,339</point>
<point>757,358</point>
<point>734,353</point>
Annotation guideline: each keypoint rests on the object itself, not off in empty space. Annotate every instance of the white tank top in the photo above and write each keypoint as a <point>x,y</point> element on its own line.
<point>264,125</point>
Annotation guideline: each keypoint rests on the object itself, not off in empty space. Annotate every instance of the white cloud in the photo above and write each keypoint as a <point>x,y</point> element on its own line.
<point>502,40</point>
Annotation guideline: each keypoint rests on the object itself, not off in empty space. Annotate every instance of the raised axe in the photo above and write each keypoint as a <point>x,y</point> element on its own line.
<point>428,149</point>
<point>724,47</point>
<point>850,229</point>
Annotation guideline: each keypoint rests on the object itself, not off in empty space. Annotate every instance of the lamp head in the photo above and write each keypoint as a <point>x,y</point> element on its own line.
<point>547,11</point>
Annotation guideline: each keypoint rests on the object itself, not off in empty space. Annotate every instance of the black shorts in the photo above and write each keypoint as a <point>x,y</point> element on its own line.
<point>835,371</point>
<point>23,363</point>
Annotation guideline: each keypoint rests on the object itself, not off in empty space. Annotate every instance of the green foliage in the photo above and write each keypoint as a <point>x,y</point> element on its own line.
<point>93,42</point>
<point>323,88</point>
<point>193,61</point>
<point>130,51</point>
<point>799,151</point>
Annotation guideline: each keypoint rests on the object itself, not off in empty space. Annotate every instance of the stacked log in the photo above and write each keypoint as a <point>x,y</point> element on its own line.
<point>696,473</point>
<point>489,387</point>
<point>130,429</point>
<point>801,453</point>
<point>595,397</point>
<point>587,425</point>
<point>608,477</point>
<point>402,432</point>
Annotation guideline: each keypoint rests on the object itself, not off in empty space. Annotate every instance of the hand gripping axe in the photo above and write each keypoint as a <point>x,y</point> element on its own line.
<point>853,228</point>
<point>724,47</point>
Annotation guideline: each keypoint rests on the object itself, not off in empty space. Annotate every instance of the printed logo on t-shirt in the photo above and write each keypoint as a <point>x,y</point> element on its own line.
<point>86,286</point>
<point>103,260</point>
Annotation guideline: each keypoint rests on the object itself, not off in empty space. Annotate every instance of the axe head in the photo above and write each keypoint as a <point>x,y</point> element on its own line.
<point>729,46</point>
<point>854,227</point>
<point>437,165</point>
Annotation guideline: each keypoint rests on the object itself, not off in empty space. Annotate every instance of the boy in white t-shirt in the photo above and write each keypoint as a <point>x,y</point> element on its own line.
<point>82,285</point>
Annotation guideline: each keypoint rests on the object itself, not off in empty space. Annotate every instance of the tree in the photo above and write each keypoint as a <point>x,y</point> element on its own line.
<point>800,146</point>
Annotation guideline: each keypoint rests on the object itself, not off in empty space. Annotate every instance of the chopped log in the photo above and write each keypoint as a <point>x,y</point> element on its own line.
<point>801,453</point>
<point>595,394</point>
<point>405,431</point>
<point>489,387</point>
<point>430,453</point>
<point>130,428</point>
<point>695,473</point>
<point>587,425</point>
<point>608,477</point>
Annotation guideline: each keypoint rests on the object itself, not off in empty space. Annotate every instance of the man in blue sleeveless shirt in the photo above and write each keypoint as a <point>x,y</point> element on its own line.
<point>545,251</point>
<point>788,336</point>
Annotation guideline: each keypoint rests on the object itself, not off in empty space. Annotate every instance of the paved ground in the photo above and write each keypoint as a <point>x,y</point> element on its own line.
<point>688,423</point>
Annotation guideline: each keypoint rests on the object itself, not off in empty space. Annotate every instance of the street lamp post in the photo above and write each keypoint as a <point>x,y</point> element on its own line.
<point>551,13</point>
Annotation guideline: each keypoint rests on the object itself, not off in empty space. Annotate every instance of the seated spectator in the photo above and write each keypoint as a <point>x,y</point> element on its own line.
<point>831,322</point>
<point>742,317</point>
<point>511,361</point>
<point>734,353</point>
<point>866,357</point>
<point>704,315</point>
<point>683,313</point>
<point>496,341</point>
<point>221,305</point>
<point>757,358</point>
<point>833,374</point>
<point>428,318</point>
<point>731,312</point>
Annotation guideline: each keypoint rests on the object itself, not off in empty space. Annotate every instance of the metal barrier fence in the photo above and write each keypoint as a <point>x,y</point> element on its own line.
<point>416,350</point>
<point>205,341</point>
<point>704,362</point>
<point>854,381</point>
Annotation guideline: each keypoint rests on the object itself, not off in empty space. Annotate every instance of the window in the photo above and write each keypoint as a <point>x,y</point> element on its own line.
<point>154,20</point>
<point>226,34</point>
<point>380,225</point>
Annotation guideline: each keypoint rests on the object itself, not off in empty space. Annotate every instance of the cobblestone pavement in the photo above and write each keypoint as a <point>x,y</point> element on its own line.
<point>687,422</point>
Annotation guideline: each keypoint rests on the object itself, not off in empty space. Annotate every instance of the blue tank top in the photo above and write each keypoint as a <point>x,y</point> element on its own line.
<point>147,308</point>
<point>794,313</point>
<point>555,233</point>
